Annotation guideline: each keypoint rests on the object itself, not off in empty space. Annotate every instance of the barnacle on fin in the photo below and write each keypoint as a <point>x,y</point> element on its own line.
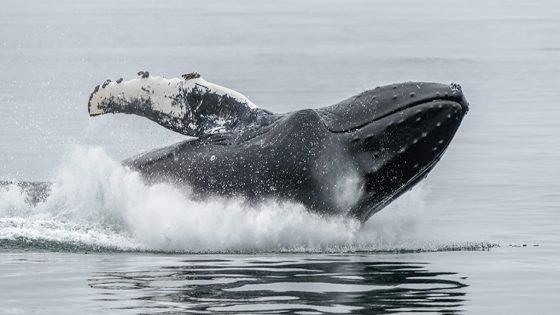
<point>106,83</point>
<point>143,74</point>
<point>191,75</point>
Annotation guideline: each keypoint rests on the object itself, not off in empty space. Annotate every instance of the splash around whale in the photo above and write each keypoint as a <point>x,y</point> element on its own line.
<point>351,158</point>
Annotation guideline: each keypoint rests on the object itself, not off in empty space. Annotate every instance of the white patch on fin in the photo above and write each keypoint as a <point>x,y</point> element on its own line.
<point>161,92</point>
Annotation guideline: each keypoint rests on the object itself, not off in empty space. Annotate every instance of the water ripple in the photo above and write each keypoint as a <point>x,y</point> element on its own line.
<point>337,285</point>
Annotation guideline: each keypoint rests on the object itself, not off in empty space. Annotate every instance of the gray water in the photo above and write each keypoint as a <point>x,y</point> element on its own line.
<point>480,234</point>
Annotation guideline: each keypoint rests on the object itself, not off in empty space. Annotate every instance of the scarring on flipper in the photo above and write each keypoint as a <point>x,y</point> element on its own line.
<point>351,158</point>
<point>191,106</point>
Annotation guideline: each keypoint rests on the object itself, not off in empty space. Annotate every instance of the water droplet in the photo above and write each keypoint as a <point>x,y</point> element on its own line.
<point>212,158</point>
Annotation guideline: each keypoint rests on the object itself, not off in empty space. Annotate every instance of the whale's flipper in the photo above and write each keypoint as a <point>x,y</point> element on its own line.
<point>189,105</point>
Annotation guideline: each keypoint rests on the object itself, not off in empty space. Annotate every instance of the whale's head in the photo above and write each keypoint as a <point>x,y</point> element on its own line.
<point>394,135</point>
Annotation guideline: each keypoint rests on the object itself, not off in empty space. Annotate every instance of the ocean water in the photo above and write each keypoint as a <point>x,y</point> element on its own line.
<point>480,235</point>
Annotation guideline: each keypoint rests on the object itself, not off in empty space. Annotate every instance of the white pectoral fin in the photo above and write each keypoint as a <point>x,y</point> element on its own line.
<point>188,105</point>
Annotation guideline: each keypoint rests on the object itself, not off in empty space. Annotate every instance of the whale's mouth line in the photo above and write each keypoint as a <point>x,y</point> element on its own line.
<point>435,100</point>
<point>396,111</point>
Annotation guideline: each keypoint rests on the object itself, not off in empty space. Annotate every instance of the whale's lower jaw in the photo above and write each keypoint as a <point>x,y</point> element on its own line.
<point>369,206</point>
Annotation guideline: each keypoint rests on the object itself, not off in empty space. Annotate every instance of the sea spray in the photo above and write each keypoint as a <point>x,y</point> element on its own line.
<point>96,202</point>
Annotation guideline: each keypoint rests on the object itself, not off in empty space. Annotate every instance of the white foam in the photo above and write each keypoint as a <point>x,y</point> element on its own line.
<point>12,201</point>
<point>98,202</point>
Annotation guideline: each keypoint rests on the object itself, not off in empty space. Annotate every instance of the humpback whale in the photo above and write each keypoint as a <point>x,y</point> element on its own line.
<point>351,158</point>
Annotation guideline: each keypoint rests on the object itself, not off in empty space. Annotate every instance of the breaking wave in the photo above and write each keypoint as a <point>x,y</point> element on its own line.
<point>96,204</point>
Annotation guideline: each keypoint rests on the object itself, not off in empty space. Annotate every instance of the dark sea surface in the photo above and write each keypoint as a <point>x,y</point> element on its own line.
<point>480,235</point>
